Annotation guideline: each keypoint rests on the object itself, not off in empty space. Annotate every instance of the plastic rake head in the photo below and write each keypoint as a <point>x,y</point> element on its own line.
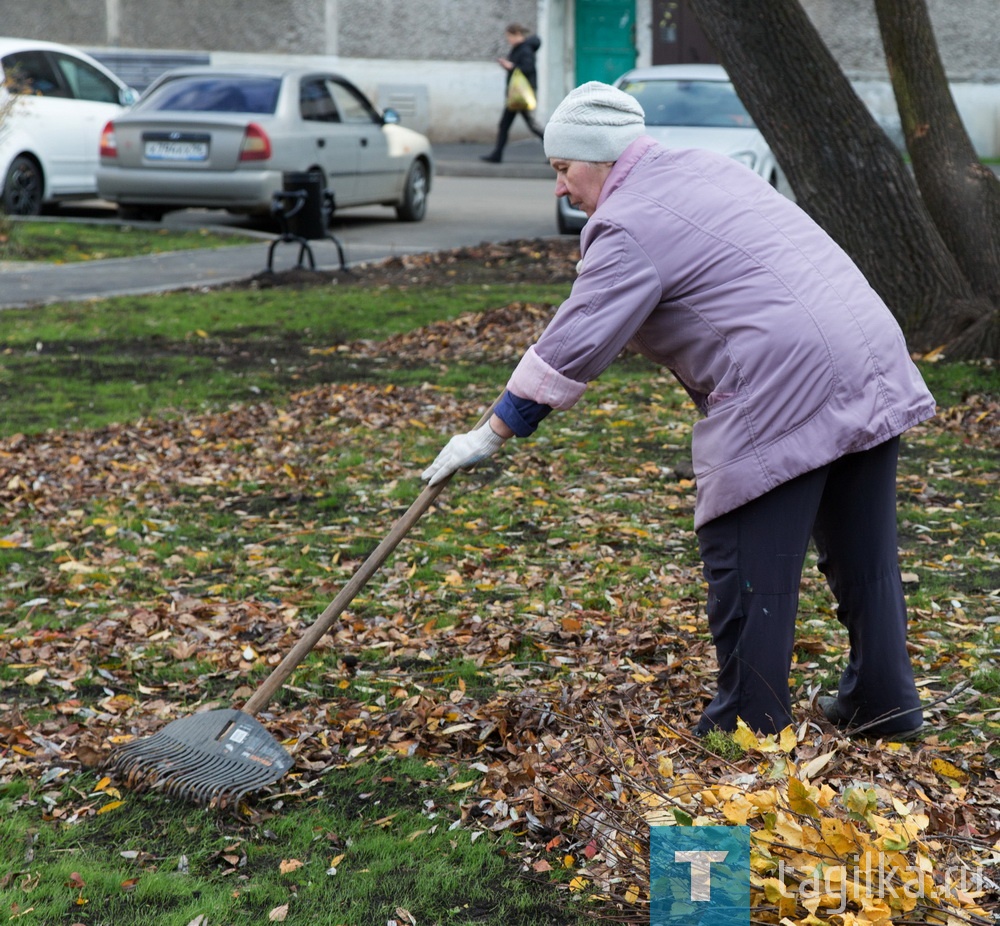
<point>212,758</point>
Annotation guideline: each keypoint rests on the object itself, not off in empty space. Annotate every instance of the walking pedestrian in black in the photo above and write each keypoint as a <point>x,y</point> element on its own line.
<point>521,57</point>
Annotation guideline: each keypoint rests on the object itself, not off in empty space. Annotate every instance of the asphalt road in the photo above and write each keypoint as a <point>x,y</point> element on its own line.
<point>462,210</point>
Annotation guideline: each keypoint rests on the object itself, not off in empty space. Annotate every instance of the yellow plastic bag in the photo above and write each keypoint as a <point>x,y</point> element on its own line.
<point>519,93</point>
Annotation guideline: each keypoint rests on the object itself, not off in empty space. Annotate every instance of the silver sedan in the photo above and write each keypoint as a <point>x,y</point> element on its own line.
<point>216,138</point>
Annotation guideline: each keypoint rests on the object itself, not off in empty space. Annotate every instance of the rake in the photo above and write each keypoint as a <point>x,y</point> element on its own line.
<point>216,757</point>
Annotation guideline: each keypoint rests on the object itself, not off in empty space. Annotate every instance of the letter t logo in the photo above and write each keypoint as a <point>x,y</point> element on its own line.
<point>701,874</point>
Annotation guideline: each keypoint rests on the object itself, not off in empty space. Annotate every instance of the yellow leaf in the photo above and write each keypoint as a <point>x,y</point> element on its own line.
<point>461,785</point>
<point>578,883</point>
<point>941,767</point>
<point>278,914</point>
<point>775,889</point>
<point>568,861</point>
<point>745,737</point>
<point>36,678</point>
<point>787,740</point>
<point>737,810</point>
<point>631,894</point>
<point>840,836</point>
<point>289,865</point>
<point>112,805</point>
<point>801,798</point>
<point>860,801</point>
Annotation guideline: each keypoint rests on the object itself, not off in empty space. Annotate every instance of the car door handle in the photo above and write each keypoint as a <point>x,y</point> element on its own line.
<point>320,142</point>
<point>364,142</point>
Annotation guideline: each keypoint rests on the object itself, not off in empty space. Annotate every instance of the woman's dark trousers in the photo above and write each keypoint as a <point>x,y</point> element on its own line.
<point>753,558</point>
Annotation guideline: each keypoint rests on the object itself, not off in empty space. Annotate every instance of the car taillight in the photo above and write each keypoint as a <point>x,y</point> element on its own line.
<point>256,145</point>
<point>109,145</point>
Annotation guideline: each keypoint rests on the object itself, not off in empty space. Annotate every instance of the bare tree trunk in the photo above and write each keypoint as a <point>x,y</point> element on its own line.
<point>843,168</point>
<point>961,194</point>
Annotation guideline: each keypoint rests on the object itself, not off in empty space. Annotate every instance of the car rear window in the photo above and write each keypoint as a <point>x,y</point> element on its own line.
<point>709,103</point>
<point>216,95</point>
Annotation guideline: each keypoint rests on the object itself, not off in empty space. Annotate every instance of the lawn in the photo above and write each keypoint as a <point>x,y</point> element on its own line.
<point>72,242</point>
<point>487,732</point>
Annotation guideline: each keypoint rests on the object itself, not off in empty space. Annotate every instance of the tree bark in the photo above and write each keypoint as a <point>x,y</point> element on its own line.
<point>961,194</point>
<point>844,170</point>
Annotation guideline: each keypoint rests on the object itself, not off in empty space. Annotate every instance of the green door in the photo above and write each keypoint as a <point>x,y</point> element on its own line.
<point>605,39</point>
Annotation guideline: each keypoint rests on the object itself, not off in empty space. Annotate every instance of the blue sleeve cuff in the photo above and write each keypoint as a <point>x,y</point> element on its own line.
<point>522,416</point>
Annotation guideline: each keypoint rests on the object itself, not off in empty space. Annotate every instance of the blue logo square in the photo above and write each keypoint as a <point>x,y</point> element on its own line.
<point>699,875</point>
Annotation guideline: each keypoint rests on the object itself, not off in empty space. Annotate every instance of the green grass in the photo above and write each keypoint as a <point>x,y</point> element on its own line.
<point>76,366</point>
<point>368,840</point>
<point>73,242</point>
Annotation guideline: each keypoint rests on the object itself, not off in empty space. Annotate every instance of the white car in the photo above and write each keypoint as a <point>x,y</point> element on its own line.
<point>221,138</point>
<point>690,106</point>
<point>54,102</point>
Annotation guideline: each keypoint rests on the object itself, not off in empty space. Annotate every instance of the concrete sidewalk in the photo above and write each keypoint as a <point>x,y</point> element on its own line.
<point>27,284</point>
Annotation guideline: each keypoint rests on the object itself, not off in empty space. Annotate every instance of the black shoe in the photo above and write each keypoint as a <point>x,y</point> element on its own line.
<point>491,158</point>
<point>833,712</point>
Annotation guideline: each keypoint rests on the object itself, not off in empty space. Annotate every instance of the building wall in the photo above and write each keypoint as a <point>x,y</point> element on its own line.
<point>443,30</point>
<point>968,36</point>
<point>273,26</point>
<point>73,22</point>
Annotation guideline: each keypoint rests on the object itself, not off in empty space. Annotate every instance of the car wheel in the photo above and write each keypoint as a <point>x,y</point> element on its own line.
<point>22,188</point>
<point>414,205</point>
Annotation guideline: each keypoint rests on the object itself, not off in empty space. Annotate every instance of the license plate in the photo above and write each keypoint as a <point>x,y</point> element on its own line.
<point>176,150</point>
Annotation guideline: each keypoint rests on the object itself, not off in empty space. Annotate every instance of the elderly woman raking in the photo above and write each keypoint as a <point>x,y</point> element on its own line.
<point>799,370</point>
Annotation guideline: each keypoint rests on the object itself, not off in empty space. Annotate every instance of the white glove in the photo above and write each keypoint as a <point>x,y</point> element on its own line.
<point>463,451</point>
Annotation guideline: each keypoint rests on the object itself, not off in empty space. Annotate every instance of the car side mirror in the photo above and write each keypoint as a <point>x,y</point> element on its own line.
<point>390,117</point>
<point>128,96</point>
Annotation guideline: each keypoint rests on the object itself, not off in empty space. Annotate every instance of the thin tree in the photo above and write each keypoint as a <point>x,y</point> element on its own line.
<point>842,167</point>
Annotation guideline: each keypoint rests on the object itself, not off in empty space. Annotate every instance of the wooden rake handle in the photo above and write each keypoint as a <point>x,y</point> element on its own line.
<point>260,698</point>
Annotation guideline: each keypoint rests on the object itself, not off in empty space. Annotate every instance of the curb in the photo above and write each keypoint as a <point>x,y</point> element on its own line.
<point>514,169</point>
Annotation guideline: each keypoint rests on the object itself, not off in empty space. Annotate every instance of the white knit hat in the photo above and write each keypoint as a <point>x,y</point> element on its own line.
<point>596,122</point>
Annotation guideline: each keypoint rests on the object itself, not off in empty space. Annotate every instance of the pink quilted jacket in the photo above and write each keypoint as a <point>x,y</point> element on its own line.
<point>700,265</point>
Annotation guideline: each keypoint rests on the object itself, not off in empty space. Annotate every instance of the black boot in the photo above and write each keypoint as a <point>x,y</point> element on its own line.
<point>493,158</point>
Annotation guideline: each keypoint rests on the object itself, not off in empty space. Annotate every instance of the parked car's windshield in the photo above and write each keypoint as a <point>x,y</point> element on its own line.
<point>709,103</point>
<point>216,95</point>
